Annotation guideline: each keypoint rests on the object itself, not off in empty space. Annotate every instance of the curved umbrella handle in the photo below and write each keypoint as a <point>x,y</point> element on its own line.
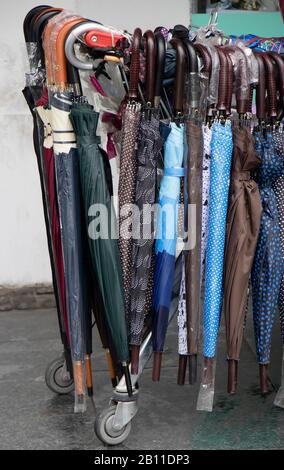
<point>270,85</point>
<point>40,24</point>
<point>260,89</point>
<point>150,49</point>
<point>179,78</point>
<point>223,81</point>
<point>205,56</point>
<point>229,83</point>
<point>160,66</point>
<point>72,38</point>
<point>60,73</point>
<point>135,64</point>
<point>280,64</point>
<point>36,19</point>
<point>28,18</point>
<point>192,68</point>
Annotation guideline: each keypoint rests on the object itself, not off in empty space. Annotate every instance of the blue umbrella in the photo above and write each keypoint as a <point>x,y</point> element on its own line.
<point>268,266</point>
<point>278,187</point>
<point>166,238</point>
<point>221,155</point>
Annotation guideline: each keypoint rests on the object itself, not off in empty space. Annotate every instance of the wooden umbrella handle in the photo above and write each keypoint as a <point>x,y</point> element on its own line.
<point>223,81</point>
<point>270,85</point>
<point>135,64</point>
<point>150,49</point>
<point>205,56</point>
<point>260,89</point>
<point>179,78</point>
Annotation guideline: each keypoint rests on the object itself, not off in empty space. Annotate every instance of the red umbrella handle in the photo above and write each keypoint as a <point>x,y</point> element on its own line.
<point>135,64</point>
<point>179,78</point>
<point>150,48</point>
<point>260,89</point>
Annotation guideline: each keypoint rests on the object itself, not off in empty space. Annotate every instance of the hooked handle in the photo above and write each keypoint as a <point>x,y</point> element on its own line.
<point>150,49</point>
<point>179,78</point>
<point>223,81</point>
<point>135,64</point>
<point>205,56</point>
<point>260,89</point>
<point>160,67</point>
<point>271,85</point>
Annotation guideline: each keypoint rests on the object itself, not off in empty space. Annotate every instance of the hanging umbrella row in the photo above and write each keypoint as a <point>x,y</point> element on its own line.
<point>191,163</point>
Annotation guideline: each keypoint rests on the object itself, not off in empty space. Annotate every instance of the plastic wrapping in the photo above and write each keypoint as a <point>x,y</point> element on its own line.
<point>36,75</point>
<point>240,76</point>
<point>279,399</point>
<point>214,78</point>
<point>205,398</point>
<point>252,63</point>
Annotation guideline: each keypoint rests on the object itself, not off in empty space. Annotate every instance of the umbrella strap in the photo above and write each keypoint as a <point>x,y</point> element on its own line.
<point>174,172</point>
<point>88,140</point>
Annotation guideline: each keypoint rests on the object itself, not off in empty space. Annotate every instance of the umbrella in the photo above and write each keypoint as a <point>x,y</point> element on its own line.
<point>167,216</point>
<point>243,221</point>
<point>166,239</point>
<point>148,147</point>
<point>68,193</point>
<point>268,266</point>
<point>221,153</point>
<point>128,168</point>
<point>207,134</point>
<point>102,242</point>
<point>278,187</point>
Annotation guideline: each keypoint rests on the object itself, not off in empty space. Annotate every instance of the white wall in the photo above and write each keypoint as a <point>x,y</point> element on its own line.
<point>23,247</point>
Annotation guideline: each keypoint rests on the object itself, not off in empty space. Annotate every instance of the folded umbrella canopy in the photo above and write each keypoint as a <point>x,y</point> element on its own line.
<point>69,203</point>
<point>128,169</point>
<point>268,266</point>
<point>278,187</point>
<point>149,145</point>
<point>101,230</point>
<point>167,216</point>
<point>243,221</point>
<point>221,154</point>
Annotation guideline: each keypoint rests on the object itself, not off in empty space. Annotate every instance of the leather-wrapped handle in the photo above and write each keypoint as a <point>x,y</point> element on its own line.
<point>135,64</point>
<point>205,56</point>
<point>223,81</point>
<point>179,77</point>
<point>150,49</point>
<point>192,61</point>
<point>260,89</point>
<point>229,84</point>
<point>160,65</point>
<point>270,85</point>
<point>280,64</point>
<point>28,18</point>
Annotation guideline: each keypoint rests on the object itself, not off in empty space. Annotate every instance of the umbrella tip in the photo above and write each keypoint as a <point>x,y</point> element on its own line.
<point>135,359</point>
<point>157,366</point>
<point>181,369</point>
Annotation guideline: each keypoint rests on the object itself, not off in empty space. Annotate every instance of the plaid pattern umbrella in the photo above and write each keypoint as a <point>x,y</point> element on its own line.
<point>243,221</point>
<point>268,266</point>
<point>149,146</point>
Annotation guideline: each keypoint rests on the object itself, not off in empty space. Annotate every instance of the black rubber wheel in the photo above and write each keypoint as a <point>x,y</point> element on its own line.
<point>55,380</point>
<point>104,430</point>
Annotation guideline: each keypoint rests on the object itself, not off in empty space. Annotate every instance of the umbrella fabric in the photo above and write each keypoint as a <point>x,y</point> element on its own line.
<point>243,222</point>
<point>207,134</point>
<point>69,203</point>
<point>221,154</point>
<point>48,156</point>
<point>33,93</point>
<point>103,246</point>
<point>181,317</point>
<point>166,235</point>
<point>192,255</point>
<point>278,187</point>
<point>267,268</point>
<point>149,146</point>
<point>126,193</point>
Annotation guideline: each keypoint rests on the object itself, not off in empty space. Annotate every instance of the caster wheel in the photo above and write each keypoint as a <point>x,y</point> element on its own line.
<point>57,377</point>
<point>104,429</point>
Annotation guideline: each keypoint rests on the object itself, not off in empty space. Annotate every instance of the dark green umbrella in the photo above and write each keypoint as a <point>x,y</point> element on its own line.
<point>103,244</point>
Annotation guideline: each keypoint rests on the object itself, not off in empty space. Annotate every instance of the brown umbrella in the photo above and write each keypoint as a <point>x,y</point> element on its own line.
<point>243,222</point>
<point>128,168</point>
